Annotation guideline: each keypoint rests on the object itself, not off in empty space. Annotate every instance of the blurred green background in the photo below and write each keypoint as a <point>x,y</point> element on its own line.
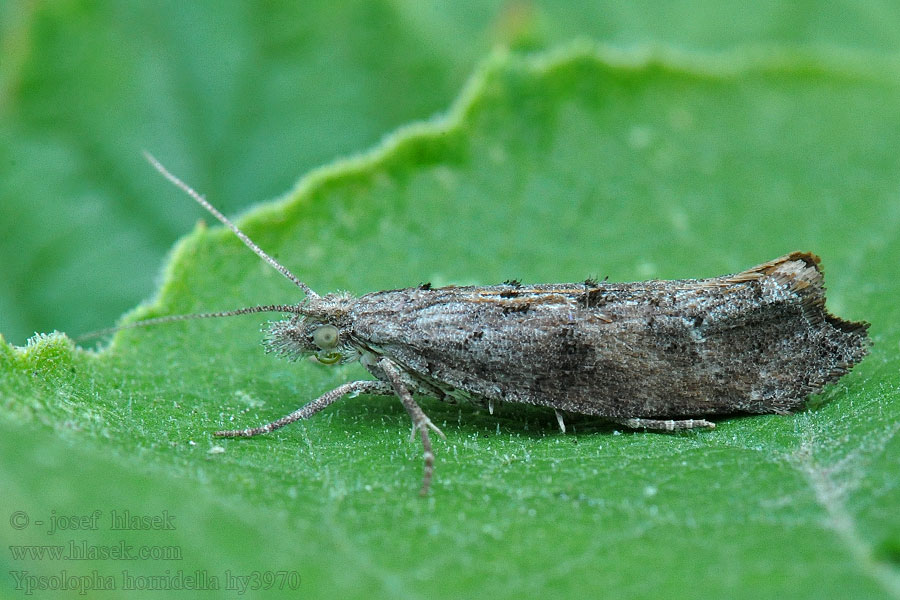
<point>639,140</point>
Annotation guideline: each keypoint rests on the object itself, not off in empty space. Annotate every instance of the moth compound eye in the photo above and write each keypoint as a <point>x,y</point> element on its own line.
<point>326,337</point>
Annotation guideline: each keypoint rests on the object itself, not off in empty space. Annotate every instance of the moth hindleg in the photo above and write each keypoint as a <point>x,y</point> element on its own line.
<point>308,410</point>
<point>665,424</point>
<point>419,418</point>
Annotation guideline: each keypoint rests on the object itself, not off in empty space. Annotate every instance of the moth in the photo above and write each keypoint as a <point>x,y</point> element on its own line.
<point>661,355</point>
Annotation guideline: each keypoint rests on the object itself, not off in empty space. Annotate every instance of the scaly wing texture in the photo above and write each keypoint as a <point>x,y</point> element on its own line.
<point>757,341</point>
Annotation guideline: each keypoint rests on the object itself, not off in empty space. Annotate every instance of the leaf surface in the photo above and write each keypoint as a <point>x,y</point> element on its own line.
<point>579,162</point>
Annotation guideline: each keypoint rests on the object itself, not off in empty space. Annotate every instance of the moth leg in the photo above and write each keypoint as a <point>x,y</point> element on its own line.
<point>665,424</point>
<point>419,418</point>
<point>559,419</point>
<point>355,387</point>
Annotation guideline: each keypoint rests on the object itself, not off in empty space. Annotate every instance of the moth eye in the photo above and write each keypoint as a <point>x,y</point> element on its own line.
<point>326,337</point>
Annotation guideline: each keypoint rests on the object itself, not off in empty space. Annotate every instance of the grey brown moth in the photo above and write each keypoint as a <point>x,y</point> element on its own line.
<point>650,354</point>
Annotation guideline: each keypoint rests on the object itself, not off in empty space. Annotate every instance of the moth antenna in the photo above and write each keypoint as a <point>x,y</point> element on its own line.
<point>282,308</point>
<point>243,237</point>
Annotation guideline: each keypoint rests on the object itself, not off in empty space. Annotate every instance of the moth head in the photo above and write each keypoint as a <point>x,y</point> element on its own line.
<point>302,336</point>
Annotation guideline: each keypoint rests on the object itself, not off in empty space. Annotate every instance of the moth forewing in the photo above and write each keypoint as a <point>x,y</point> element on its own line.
<point>759,341</point>
<point>650,354</point>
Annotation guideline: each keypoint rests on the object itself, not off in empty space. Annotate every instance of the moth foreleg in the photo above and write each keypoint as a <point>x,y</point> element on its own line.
<point>665,424</point>
<point>308,410</point>
<point>419,418</point>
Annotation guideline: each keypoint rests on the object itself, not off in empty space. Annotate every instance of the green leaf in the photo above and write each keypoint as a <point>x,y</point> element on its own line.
<point>580,162</point>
